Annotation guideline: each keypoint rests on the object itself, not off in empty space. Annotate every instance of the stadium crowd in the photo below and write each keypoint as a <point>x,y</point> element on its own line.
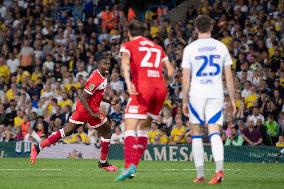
<point>48,49</point>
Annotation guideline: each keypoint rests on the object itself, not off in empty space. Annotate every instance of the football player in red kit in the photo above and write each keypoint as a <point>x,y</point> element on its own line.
<point>87,110</point>
<point>142,64</point>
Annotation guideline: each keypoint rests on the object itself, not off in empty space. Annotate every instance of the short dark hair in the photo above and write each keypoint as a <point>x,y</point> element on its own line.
<point>102,57</point>
<point>203,23</point>
<point>136,28</point>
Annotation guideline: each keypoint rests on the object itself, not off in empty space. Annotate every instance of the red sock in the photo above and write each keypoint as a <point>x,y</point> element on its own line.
<point>129,150</point>
<point>53,138</point>
<point>105,147</point>
<point>142,141</point>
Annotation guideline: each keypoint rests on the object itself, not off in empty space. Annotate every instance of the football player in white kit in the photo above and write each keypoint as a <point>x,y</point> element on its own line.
<point>203,63</point>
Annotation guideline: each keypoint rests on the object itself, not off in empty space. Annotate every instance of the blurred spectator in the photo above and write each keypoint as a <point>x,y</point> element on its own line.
<point>13,63</point>
<point>154,133</point>
<point>25,125</point>
<point>251,135</point>
<point>66,114</point>
<point>117,136</point>
<point>263,130</point>
<point>256,115</point>
<point>4,69</point>
<point>234,139</point>
<point>80,137</point>
<point>272,129</point>
<point>178,132</point>
<point>164,139</point>
<point>7,134</point>
<point>281,123</point>
<point>31,136</point>
<point>115,83</point>
<point>116,114</point>
<point>26,56</point>
<point>93,135</point>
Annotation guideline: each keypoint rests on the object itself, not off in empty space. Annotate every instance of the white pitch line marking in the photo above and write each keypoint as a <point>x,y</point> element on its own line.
<point>195,169</point>
<point>169,170</point>
<point>30,169</point>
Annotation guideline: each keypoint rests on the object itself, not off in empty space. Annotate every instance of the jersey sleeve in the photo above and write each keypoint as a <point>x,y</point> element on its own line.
<point>92,83</point>
<point>186,58</point>
<point>164,56</point>
<point>227,57</point>
<point>125,49</point>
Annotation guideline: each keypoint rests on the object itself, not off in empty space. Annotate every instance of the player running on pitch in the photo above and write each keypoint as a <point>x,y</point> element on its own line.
<point>203,63</point>
<point>87,110</point>
<point>142,64</point>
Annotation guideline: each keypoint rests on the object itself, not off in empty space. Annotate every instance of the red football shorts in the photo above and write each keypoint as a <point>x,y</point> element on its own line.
<point>81,116</point>
<point>148,102</point>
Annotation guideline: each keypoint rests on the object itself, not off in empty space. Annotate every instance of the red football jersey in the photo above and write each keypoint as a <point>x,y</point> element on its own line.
<point>146,62</point>
<point>95,86</point>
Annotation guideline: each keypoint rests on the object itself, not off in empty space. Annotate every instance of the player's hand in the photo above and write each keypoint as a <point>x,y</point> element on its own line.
<point>185,109</point>
<point>114,100</point>
<point>132,89</point>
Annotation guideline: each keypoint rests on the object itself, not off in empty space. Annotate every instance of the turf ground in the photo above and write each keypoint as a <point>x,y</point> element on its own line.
<point>81,174</point>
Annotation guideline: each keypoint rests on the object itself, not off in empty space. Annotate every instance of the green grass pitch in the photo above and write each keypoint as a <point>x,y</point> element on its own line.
<point>81,174</point>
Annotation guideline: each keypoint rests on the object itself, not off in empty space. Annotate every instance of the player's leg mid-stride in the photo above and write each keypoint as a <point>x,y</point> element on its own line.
<point>143,104</point>
<point>104,131</point>
<point>135,145</point>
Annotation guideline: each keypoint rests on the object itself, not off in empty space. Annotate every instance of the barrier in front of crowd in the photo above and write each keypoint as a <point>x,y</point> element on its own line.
<point>154,152</point>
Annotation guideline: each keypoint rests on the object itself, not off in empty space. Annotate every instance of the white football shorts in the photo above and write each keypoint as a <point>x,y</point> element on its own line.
<point>206,111</point>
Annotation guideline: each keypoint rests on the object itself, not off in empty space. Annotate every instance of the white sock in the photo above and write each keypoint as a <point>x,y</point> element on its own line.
<point>142,133</point>
<point>217,151</point>
<point>198,155</point>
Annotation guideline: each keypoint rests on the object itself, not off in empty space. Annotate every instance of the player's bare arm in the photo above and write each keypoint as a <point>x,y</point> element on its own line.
<point>83,98</point>
<point>169,67</point>
<point>230,86</point>
<point>111,100</point>
<point>185,90</point>
<point>125,65</point>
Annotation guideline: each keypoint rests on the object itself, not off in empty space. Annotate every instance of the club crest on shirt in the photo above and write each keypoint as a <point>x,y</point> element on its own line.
<point>91,87</point>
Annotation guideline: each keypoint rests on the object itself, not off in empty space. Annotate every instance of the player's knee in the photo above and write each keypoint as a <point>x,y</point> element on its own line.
<point>106,134</point>
<point>196,129</point>
<point>214,128</point>
<point>70,129</point>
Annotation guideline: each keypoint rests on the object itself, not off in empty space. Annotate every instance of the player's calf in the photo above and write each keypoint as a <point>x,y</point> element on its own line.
<point>52,139</point>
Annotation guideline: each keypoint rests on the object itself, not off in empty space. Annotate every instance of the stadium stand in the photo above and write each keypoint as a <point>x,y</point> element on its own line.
<point>48,49</point>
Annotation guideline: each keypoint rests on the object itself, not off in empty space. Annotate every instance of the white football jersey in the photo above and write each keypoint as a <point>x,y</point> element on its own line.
<point>206,58</point>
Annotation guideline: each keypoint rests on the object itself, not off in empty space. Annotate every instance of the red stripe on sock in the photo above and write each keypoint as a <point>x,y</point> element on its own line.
<point>141,147</point>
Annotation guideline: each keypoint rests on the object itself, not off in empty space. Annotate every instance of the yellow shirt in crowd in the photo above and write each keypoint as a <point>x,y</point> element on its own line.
<point>68,86</point>
<point>17,121</point>
<point>227,40</point>
<point>35,76</point>
<point>152,135</point>
<point>251,100</point>
<point>64,103</point>
<point>73,138</point>
<point>21,76</point>
<point>10,94</point>
<point>176,132</point>
<point>164,139</point>
<point>4,71</point>
<point>280,144</point>
<point>154,31</point>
